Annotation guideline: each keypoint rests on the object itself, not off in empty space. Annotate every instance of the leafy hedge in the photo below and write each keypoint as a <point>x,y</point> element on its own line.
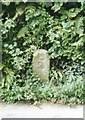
<point>56,27</point>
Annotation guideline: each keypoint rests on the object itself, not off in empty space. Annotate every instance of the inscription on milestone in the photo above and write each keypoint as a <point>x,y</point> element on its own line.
<point>41,64</point>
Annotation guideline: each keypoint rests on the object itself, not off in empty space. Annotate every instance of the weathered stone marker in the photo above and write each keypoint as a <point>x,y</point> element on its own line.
<point>41,64</point>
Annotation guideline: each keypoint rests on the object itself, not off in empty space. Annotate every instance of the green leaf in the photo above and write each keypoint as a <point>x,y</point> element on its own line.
<point>9,71</point>
<point>19,11</point>
<point>22,32</point>
<point>72,12</point>
<point>1,66</point>
<point>57,6</point>
<point>56,75</point>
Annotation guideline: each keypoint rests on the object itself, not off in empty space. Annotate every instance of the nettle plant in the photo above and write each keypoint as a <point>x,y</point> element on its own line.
<point>56,27</point>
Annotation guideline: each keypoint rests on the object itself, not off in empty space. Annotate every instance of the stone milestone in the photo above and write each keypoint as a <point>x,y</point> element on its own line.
<point>41,64</point>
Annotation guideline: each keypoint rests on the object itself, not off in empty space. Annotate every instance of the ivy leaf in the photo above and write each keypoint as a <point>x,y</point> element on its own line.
<point>57,6</point>
<point>79,42</point>
<point>19,10</point>
<point>22,32</point>
<point>9,71</point>
<point>72,12</point>
<point>1,66</point>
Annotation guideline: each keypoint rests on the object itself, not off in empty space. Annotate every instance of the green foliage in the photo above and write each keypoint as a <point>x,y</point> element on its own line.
<point>56,27</point>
